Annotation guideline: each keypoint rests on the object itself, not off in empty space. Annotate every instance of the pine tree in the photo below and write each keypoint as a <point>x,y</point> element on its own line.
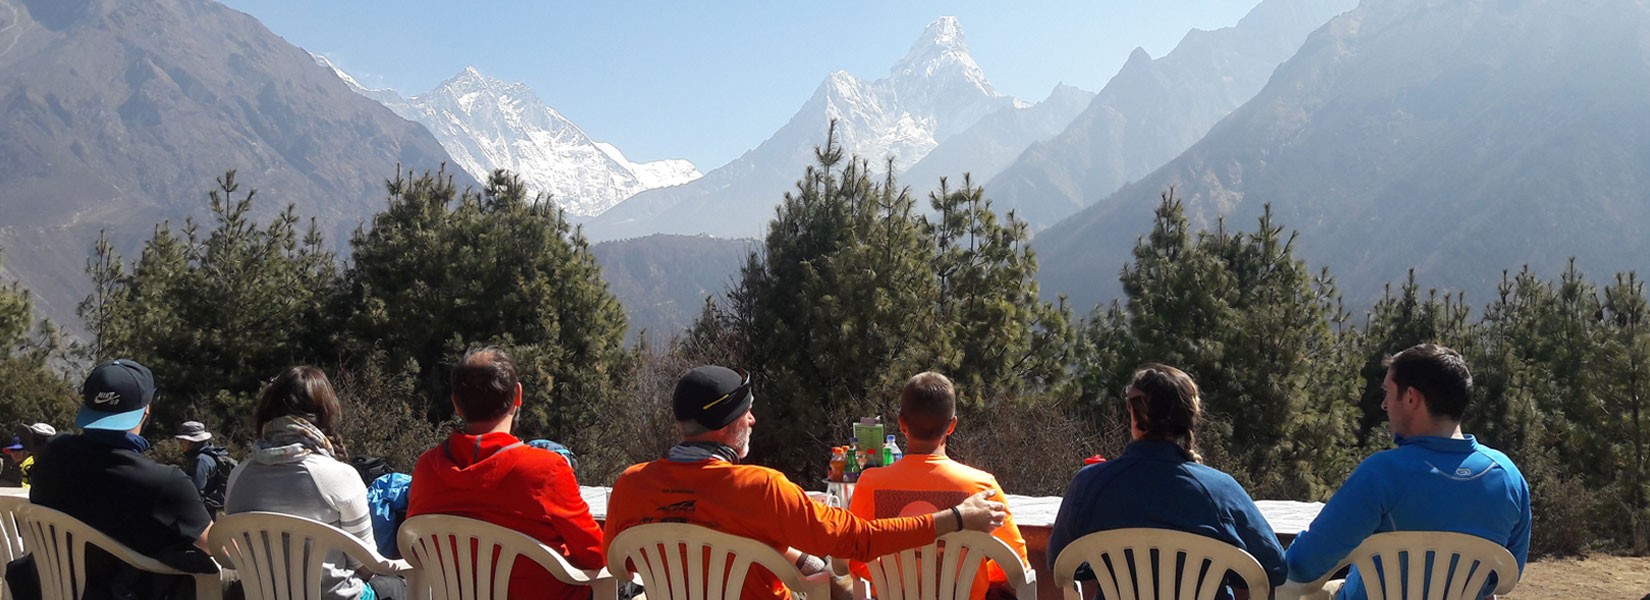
<point>1005,340</point>
<point>441,271</point>
<point>1255,329</point>
<point>1624,375</point>
<point>838,307</point>
<point>214,314</point>
<point>33,390</point>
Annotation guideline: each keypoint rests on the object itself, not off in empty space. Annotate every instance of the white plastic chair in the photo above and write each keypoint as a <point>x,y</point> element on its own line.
<point>58,543</point>
<point>454,559</point>
<point>279,556</point>
<point>915,574</point>
<point>1124,564</point>
<point>1411,552</point>
<point>11,537</point>
<point>670,558</point>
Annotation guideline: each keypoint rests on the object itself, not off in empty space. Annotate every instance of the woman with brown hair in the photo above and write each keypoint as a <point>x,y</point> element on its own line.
<point>1160,480</point>
<point>297,467</point>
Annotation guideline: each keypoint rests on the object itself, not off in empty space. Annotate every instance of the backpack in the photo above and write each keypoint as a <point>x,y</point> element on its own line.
<point>218,482</point>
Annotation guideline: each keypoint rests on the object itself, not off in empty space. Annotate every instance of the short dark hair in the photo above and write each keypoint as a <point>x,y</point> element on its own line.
<point>927,404</point>
<point>484,383</point>
<point>1439,373</point>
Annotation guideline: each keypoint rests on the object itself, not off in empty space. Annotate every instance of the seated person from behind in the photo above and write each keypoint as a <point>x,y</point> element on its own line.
<point>103,478</point>
<point>485,473</point>
<point>1159,481</point>
<point>926,479</point>
<point>297,467</point>
<point>1437,479</point>
<point>701,481</point>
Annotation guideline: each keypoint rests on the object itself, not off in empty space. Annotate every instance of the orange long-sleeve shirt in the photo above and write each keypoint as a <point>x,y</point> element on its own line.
<point>495,478</point>
<point>756,503</point>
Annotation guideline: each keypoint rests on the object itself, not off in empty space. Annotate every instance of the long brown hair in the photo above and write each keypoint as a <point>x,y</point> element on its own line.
<point>1165,403</point>
<point>302,391</point>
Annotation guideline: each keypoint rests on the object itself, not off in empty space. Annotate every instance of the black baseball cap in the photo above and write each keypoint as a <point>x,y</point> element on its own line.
<point>114,396</point>
<point>712,396</point>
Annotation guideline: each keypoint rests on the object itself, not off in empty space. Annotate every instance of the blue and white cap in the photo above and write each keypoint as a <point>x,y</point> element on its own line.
<point>114,396</point>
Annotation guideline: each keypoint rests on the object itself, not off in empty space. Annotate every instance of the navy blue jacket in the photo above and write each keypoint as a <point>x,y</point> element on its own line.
<point>1153,485</point>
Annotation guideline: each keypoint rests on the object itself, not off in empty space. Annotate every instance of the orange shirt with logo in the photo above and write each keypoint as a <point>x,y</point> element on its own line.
<point>757,503</point>
<point>926,483</point>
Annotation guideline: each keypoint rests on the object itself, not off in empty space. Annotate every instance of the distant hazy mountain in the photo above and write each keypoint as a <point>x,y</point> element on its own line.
<point>993,143</point>
<point>488,124</point>
<point>1458,137</point>
<point>1152,110</point>
<point>663,280</point>
<point>118,115</point>
<point>935,92</point>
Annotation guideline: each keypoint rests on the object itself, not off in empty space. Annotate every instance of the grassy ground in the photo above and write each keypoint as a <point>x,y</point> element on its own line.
<point>1603,577</point>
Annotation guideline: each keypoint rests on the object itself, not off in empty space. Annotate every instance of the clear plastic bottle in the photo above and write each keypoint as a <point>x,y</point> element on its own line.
<point>839,463</point>
<point>890,451</point>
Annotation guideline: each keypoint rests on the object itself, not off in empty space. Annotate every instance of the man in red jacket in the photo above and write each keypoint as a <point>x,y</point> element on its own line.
<point>483,472</point>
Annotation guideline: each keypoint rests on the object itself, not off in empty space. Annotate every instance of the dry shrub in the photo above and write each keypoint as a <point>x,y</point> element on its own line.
<point>638,425</point>
<point>379,419</point>
<point>1034,445</point>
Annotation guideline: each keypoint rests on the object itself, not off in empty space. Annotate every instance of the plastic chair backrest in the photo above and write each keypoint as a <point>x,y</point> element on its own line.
<point>1468,561</point>
<point>58,543</point>
<point>1147,563</point>
<point>459,558</point>
<point>11,537</point>
<point>670,558</point>
<point>945,569</point>
<point>279,556</point>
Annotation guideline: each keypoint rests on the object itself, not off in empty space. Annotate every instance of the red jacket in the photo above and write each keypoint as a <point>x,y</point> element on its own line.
<point>495,478</point>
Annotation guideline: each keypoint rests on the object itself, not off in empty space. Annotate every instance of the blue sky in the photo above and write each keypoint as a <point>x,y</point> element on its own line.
<point>709,80</point>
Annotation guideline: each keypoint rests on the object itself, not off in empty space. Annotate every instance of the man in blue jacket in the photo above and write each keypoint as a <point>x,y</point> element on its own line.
<point>1437,479</point>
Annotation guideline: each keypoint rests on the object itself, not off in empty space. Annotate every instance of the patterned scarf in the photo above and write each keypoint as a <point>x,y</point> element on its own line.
<point>698,451</point>
<point>290,439</point>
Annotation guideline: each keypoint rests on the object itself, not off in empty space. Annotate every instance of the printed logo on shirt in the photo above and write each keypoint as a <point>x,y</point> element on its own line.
<point>683,506</point>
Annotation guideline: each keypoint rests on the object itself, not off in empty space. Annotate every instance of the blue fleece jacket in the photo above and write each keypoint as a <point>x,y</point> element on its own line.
<point>1425,484</point>
<point>1151,484</point>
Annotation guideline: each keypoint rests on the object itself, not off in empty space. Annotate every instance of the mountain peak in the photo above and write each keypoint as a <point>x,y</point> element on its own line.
<point>944,31</point>
<point>941,54</point>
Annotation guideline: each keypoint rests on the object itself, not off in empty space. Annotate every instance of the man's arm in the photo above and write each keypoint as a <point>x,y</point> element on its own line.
<point>205,464</point>
<point>1519,542</point>
<point>822,530</point>
<point>570,515</point>
<point>1069,523</point>
<point>1257,538</point>
<point>1009,533</point>
<point>1351,515</point>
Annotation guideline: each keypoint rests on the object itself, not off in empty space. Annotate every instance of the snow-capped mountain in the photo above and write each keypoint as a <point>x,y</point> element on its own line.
<point>931,94</point>
<point>488,124</point>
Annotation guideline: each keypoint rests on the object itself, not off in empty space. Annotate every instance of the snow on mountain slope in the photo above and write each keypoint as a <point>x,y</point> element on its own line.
<point>488,124</point>
<point>933,93</point>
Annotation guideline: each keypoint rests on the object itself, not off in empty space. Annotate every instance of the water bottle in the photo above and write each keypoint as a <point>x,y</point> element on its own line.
<point>890,451</point>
